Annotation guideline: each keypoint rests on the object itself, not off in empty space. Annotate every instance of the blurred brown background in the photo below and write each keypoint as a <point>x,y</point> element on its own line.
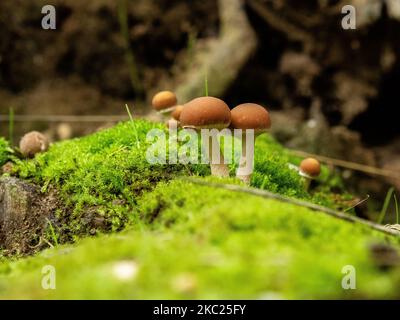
<point>331,91</point>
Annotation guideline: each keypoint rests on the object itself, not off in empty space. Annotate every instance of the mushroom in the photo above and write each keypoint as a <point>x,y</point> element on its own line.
<point>175,115</point>
<point>32,143</point>
<point>254,117</point>
<point>177,112</point>
<point>310,169</point>
<point>164,102</point>
<point>208,113</point>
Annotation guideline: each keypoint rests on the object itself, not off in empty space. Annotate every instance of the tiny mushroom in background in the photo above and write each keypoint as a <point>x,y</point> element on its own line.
<point>208,113</point>
<point>248,117</point>
<point>32,143</point>
<point>64,131</point>
<point>164,102</point>
<point>310,169</point>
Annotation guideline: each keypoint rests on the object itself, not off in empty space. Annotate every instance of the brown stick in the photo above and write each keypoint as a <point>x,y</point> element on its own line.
<point>349,165</point>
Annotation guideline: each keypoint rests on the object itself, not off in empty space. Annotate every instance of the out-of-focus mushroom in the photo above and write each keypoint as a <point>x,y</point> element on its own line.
<point>33,143</point>
<point>208,113</point>
<point>164,102</point>
<point>174,122</point>
<point>310,169</point>
<point>64,131</point>
<point>253,120</point>
<point>176,114</point>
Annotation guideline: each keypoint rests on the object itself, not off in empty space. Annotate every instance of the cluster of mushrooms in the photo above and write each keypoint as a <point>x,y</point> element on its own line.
<point>213,113</point>
<point>204,113</point>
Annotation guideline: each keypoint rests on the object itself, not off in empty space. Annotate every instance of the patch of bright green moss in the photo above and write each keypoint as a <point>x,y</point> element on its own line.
<point>186,240</point>
<point>107,172</point>
<point>210,243</point>
<point>4,151</point>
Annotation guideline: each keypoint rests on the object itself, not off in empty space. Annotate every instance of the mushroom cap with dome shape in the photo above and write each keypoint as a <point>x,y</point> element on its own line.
<point>205,113</point>
<point>310,167</point>
<point>32,143</point>
<point>250,116</point>
<point>164,100</point>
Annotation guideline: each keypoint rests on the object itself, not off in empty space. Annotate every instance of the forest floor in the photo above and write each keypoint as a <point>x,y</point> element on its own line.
<point>155,235</point>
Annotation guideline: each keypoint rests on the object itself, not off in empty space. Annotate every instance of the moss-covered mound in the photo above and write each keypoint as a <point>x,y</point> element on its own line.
<point>183,240</point>
<point>101,177</point>
<point>211,243</point>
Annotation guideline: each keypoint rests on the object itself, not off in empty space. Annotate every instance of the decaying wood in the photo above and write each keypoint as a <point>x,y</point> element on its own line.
<point>24,211</point>
<point>224,56</point>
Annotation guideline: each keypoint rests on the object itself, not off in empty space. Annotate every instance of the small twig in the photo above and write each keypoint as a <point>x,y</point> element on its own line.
<point>48,242</point>
<point>133,125</point>
<point>358,203</point>
<point>309,205</point>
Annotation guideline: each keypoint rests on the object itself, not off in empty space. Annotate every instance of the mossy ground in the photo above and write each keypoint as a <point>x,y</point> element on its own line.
<point>4,151</point>
<point>189,241</point>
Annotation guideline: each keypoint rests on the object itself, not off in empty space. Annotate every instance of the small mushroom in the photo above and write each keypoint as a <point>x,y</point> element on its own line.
<point>64,131</point>
<point>164,102</point>
<point>176,114</point>
<point>208,113</point>
<point>174,122</point>
<point>310,169</point>
<point>33,143</point>
<point>249,116</point>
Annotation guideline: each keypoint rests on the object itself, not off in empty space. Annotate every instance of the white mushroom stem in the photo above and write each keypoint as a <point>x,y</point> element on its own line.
<point>217,165</point>
<point>246,163</point>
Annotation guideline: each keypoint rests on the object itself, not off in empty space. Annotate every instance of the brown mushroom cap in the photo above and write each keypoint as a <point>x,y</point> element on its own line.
<point>250,116</point>
<point>32,143</point>
<point>164,100</point>
<point>205,113</point>
<point>310,167</point>
<point>177,112</point>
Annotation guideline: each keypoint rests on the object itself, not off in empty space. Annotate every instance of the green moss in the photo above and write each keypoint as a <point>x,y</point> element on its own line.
<point>226,245</point>
<point>5,151</point>
<point>107,172</point>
